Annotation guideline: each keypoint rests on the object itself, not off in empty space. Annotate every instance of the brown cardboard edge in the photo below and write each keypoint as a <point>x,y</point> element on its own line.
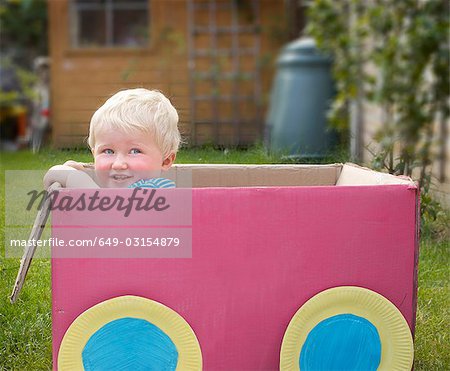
<point>255,175</point>
<point>274,175</point>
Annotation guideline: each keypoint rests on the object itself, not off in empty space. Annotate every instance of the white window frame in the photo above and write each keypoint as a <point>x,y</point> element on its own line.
<point>109,7</point>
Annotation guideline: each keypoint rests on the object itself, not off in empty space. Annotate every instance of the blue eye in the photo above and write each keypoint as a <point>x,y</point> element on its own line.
<point>108,151</point>
<point>135,151</point>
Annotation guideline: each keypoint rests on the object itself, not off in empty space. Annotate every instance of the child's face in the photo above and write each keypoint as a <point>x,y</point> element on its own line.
<point>123,158</point>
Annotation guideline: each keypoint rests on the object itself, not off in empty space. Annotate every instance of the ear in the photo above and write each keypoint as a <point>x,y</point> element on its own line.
<point>168,161</point>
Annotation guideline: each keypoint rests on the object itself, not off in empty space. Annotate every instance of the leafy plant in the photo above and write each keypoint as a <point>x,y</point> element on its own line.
<point>23,29</point>
<point>23,38</point>
<point>394,54</point>
<point>21,89</point>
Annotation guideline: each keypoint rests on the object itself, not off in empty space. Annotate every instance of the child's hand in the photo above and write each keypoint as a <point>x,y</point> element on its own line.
<point>58,173</point>
<point>78,165</point>
<point>87,168</point>
<point>68,177</point>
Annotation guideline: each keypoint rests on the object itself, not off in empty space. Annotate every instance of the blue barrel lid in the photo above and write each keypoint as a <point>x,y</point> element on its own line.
<point>302,51</point>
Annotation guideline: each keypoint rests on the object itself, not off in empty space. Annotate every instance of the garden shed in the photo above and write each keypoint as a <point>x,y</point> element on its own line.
<point>212,58</point>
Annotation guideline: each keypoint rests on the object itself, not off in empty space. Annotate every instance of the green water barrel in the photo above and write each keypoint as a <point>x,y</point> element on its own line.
<point>302,93</point>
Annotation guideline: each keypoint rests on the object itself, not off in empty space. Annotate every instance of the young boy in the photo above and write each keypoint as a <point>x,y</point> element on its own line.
<point>133,137</point>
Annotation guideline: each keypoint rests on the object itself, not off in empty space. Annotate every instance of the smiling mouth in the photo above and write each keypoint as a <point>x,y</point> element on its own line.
<point>118,177</point>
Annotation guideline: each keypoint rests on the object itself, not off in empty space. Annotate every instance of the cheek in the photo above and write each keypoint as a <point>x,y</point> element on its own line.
<point>102,163</point>
<point>146,163</point>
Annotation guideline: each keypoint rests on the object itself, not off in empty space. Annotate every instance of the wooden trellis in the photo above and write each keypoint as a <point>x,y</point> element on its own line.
<point>225,85</point>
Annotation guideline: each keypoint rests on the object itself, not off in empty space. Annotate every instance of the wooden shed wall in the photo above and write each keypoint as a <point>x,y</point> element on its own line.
<point>82,79</point>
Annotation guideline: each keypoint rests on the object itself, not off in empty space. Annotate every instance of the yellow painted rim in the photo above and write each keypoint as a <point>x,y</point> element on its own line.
<point>397,349</point>
<point>90,321</point>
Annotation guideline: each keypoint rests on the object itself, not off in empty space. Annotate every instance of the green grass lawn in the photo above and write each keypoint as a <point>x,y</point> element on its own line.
<point>25,327</point>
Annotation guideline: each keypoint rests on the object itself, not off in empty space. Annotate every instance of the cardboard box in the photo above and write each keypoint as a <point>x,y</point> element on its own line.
<point>265,239</point>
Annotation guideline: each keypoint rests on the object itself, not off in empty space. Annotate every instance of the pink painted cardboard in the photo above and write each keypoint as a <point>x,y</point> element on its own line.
<point>258,254</point>
<point>179,213</point>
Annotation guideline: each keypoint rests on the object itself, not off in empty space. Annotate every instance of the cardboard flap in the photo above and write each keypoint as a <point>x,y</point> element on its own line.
<point>354,175</point>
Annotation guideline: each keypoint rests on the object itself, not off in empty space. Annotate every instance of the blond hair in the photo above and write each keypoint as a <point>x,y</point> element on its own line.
<point>139,109</point>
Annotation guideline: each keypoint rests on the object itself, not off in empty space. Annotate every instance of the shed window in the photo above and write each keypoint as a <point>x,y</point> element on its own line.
<point>109,23</point>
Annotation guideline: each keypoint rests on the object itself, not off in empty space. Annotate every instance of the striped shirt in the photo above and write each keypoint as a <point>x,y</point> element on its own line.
<point>153,183</point>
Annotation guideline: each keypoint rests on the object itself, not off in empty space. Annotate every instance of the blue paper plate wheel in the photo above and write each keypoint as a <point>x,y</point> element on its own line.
<point>344,342</point>
<point>129,333</point>
<point>129,343</point>
<point>347,328</point>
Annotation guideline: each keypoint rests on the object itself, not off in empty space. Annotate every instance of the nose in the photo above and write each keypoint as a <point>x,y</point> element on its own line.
<point>119,163</point>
